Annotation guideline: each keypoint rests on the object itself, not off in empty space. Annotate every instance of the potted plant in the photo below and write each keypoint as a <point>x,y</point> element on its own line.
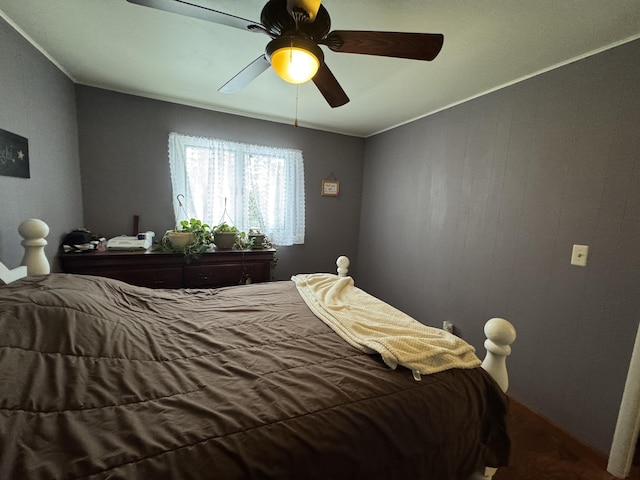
<point>179,239</point>
<point>257,240</point>
<point>192,238</point>
<point>225,236</point>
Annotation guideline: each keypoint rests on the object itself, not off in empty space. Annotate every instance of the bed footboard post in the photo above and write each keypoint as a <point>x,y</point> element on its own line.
<point>343,265</point>
<point>500,335</point>
<point>488,474</point>
<point>33,231</point>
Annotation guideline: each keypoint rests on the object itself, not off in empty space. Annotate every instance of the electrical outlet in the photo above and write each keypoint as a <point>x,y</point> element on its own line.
<point>579,255</point>
<point>447,326</point>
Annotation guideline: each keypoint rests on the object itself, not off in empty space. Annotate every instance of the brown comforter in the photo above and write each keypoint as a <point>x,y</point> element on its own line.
<point>103,380</point>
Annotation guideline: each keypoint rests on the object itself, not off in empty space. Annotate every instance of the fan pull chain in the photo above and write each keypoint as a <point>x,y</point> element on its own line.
<point>295,124</point>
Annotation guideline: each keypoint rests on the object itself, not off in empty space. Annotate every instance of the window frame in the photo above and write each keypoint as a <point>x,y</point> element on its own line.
<point>286,228</point>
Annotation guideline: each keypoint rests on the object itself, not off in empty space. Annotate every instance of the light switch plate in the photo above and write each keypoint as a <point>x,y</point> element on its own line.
<point>579,255</point>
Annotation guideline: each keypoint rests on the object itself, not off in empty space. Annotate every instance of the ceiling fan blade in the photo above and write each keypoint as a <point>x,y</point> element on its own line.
<point>329,87</point>
<point>247,75</point>
<point>203,13</point>
<point>416,46</point>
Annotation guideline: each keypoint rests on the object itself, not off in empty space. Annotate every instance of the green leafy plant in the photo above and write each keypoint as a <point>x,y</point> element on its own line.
<point>201,230</point>
<point>201,237</point>
<point>256,239</point>
<point>225,228</point>
<point>227,236</point>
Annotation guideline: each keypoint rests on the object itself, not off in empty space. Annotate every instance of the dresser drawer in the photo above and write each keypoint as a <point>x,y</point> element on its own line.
<point>169,277</point>
<point>169,270</point>
<point>211,276</point>
<point>224,275</point>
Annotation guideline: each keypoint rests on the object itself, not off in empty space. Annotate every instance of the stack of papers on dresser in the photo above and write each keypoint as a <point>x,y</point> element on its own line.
<point>142,241</point>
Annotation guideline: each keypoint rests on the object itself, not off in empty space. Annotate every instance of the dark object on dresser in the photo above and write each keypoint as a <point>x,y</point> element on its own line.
<point>168,270</point>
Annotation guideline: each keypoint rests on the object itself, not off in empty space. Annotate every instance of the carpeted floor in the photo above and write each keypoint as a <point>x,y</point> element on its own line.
<point>541,451</point>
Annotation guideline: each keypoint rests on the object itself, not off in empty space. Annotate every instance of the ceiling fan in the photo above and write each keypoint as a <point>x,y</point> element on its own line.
<point>297,29</point>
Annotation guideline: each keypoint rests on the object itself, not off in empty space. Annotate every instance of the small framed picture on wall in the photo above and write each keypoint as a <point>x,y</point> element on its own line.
<point>14,155</point>
<point>330,188</point>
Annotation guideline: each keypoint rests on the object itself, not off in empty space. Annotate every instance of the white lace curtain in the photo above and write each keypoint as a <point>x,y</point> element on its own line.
<point>261,187</point>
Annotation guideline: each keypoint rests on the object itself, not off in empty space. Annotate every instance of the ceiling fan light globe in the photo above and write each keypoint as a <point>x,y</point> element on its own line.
<point>294,65</point>
<point>294,58</point>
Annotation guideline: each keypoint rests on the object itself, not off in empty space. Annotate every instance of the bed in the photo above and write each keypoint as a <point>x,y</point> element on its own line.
<point>104,380</point>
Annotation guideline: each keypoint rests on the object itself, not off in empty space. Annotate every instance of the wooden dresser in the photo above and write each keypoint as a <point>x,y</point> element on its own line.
<point>217,268</point>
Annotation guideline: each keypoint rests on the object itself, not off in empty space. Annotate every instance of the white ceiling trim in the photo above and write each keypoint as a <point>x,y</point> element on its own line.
<point>36,46</point>
<point>518,80</point>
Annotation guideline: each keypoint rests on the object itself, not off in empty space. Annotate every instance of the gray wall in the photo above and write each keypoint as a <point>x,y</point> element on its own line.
<point>37,101</point>
<point>473,213</point>
<point>467,214</point>
<point>125,171</point>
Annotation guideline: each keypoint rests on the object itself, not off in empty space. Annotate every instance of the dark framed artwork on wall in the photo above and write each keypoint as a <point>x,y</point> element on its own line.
<point>14,155</point>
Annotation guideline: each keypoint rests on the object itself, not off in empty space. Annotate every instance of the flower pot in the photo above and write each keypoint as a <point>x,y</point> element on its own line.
<point>224,240</point>
<point>256,240</point>
<point>180,239</point>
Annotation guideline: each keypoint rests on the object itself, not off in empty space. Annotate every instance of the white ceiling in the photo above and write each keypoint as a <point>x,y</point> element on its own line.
<point>488,44</point>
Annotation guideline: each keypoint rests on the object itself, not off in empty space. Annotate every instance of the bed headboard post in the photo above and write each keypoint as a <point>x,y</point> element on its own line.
<point>33,231</point>
<point>343,264</point>
<point>500,335</point>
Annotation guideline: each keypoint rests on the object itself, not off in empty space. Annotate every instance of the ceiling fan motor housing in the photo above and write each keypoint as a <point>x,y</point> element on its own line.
<point>306,8</point>
<point>277,21</point>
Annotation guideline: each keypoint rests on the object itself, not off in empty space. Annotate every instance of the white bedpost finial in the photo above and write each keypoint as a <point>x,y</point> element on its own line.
<point>33,231</point>
<point>343,265</point>
<point>500,335</point>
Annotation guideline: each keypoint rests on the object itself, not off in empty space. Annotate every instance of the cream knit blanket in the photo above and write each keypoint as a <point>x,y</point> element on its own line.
<point>371,325</point>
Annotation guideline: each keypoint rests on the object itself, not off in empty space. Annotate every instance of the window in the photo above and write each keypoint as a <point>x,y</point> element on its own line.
<point>259,187</point>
